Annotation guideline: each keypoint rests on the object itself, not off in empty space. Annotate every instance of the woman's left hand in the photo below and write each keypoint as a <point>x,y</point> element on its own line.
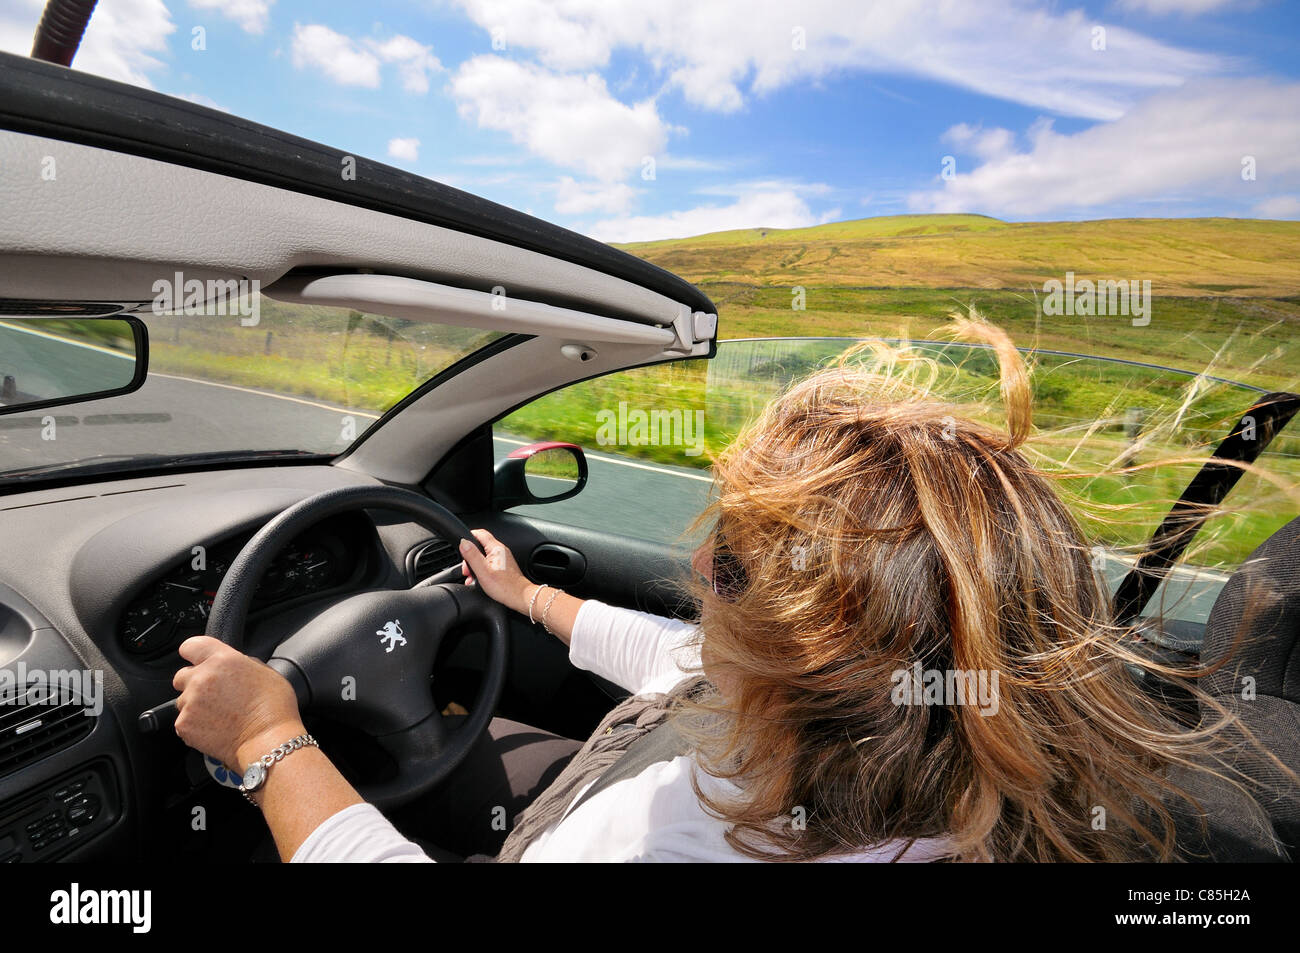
<point>232,706</point>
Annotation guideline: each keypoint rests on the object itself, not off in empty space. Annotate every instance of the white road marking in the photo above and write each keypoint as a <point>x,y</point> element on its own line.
<point>265,393</point>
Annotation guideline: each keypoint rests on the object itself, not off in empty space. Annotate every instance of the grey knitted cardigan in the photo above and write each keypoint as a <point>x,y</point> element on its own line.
<point>628,721</point>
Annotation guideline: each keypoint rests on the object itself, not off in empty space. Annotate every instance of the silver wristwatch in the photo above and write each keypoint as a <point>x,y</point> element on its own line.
<point>255,775</point>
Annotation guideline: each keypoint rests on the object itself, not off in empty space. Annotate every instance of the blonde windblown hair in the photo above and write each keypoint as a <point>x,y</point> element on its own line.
<point>875,531</point>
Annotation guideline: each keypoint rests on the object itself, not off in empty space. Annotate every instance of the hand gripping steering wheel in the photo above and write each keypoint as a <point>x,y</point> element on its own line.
<point>385,641</point>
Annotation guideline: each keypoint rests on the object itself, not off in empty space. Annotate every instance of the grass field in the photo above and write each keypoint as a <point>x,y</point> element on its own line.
<point>356,361</point>
<point>1226,291</point>
<point>1182,257</point>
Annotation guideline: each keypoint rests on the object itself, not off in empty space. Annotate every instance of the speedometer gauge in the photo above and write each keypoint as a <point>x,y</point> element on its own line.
<point>309,567</point>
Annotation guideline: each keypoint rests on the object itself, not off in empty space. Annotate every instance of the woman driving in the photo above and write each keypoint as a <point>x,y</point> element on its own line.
<point>903,653</point>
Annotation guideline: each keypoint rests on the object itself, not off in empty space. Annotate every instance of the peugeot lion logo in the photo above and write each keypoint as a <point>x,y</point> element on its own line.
<point>392,634</point>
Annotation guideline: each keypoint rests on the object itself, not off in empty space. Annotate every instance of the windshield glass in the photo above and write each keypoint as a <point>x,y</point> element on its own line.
<point>300,379</point>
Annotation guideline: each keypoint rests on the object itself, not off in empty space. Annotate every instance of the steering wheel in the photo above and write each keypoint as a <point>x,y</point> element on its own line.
<point>367,660</point>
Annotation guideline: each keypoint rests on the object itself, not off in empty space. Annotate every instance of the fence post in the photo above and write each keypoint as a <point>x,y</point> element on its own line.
<point>1133,420</point>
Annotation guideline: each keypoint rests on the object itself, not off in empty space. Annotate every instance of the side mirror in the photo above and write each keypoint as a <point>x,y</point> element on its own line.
<point>47,362</point>
<point>539,473</point>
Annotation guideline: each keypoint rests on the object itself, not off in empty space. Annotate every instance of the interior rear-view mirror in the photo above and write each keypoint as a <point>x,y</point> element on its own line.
<point>46,362</point>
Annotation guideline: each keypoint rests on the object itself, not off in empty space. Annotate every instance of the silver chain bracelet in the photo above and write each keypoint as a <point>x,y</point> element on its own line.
<point>546,610</point>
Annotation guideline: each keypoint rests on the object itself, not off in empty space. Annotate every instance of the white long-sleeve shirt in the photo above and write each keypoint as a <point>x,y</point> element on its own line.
<point>653,816</point>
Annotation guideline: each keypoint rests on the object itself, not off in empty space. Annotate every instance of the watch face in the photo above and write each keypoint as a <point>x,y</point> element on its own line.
<point>254,776</point>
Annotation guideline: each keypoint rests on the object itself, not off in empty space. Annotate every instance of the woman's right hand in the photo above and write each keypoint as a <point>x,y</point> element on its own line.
<point>497,573</point>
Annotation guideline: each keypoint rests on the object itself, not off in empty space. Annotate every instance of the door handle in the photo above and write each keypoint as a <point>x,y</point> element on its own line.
<point>556,564</point>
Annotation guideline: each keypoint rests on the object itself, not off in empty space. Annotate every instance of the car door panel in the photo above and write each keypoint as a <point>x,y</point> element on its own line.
<point>543,688</point>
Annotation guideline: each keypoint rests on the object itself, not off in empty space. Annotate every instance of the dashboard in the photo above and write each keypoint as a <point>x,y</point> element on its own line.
<point>107,579</point>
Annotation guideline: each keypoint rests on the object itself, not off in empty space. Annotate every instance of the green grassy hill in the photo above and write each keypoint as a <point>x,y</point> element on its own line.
<point>888,226</point>
<point>1226,292</point>
<point>1179,256</point>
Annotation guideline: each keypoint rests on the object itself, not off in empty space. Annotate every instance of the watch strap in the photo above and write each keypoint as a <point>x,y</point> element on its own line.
<point>278,753</point>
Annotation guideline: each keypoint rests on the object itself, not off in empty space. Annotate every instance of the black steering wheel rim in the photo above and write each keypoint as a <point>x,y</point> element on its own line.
<point>424,752</point>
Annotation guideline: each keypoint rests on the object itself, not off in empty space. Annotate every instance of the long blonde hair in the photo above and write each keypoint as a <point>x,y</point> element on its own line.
<point>875,531</point>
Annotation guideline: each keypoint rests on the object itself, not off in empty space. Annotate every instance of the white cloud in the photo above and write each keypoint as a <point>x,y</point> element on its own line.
<point>251,15</point>
<point>567,36</point>
<point>1281,206</point>
<point>336,55</point>
<point>120,42</point>
<point>414,61</point>
<point>779,209</point>
<point>975,140</point>
<point>18,21</point>
<point>721,51</point>
<point>352,63</point>
<point>582,198</point>
<point>405,149</point>
<point>569,120</point>
<point>1184,143</point>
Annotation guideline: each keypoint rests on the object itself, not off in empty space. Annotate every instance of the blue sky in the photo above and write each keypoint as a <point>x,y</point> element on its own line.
<point>632,121</point>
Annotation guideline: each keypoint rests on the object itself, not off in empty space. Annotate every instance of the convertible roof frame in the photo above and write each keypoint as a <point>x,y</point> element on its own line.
<point>115,224</point>
<point>48,100</point>
<point>430,302</point>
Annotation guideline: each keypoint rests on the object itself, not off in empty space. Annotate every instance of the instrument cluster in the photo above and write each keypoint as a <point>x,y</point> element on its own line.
<point>176,607</point>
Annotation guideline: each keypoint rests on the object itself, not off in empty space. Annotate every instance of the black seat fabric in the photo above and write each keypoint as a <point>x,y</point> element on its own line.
<point>1255,626</point>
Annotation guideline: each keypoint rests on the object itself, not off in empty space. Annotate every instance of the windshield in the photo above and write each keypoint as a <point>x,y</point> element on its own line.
<point>300,380</point>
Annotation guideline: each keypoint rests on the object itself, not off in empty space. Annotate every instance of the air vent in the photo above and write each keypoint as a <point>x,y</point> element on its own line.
<point>30,731</point>
<point>431,557</point>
